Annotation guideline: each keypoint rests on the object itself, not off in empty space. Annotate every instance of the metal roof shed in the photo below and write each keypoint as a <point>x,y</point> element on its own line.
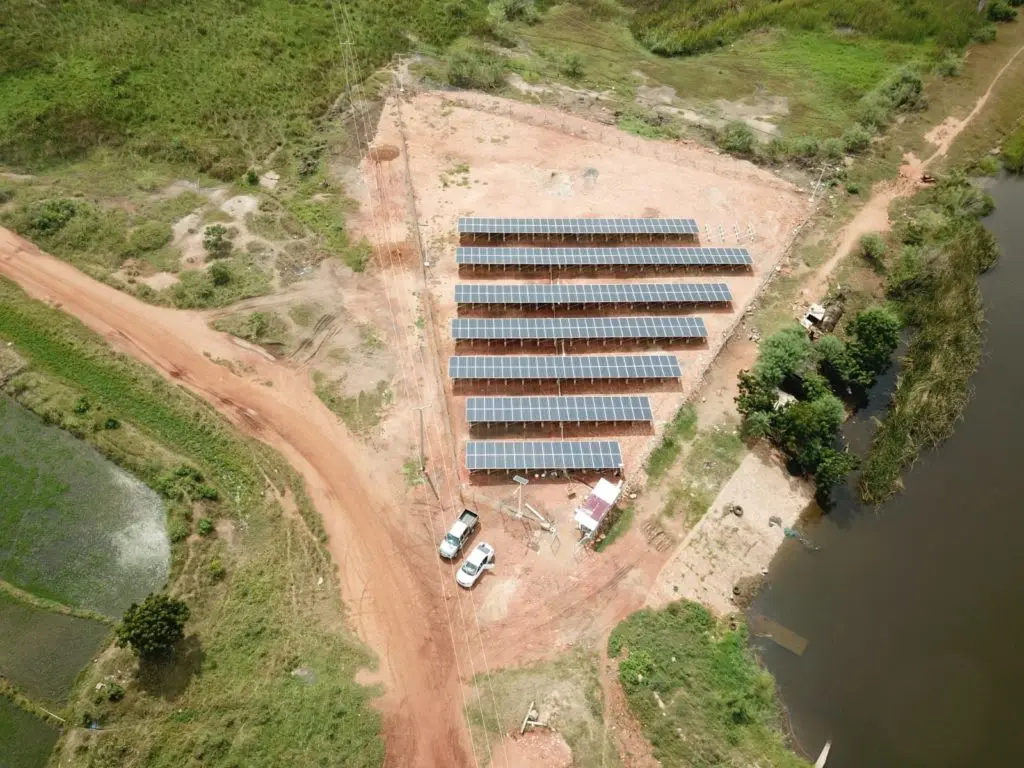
<point>594,508</point>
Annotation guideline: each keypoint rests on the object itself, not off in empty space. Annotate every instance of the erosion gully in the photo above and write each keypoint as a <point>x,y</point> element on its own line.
<point>913,610</point>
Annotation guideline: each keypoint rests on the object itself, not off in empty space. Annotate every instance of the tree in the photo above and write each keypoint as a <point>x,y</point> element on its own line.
<point>786,353</point>
<point>874,333</point>
<point>1000,11</point>
<point>756,394</point>
<point>154,628</point>
<point>833,466</point>
<point>804,430</point>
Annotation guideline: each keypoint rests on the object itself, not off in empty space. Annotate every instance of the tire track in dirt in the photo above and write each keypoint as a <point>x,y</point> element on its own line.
<point>395,609</point>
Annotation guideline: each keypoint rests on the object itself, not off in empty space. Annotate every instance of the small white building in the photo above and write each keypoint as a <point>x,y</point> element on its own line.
<point>594,508</point>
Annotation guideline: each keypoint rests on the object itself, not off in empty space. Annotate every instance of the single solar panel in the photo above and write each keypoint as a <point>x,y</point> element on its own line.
<point>534,329</point>
<point>536,409</point>
<point>615,293</point>
<point>490,226</point>
<point>563,367</point>
<point>648,256</point>
<point>512,455</point>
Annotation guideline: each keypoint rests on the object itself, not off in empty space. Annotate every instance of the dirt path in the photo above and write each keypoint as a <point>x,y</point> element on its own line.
<point>396,609</point>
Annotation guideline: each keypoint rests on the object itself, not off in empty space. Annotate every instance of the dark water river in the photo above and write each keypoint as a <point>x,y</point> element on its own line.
<point>915,613</point>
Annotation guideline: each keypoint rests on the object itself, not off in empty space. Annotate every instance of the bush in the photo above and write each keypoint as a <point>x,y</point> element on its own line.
<point>185,483</point>
<point>82,405</point>
<point>154,628</point>
<point>572,66</point>
<point>220,274</point>
<point>1013,152</point>
<point>986,34</point>
<point>950,65</point>
<point>114,692</point>
<point>873,250</point>
<point>217,570</point>
<point>804,149</point>
<point>50,216</point>
<point>216,241</point>
<point>852,188</point>
<point>474,66</point>
<point>252,178</point>
<point>111,423</point>
<point>147,237</point>
<point>518,10</point>
<point>856,138</point>
<point>205,526</point>
<point>1001,12</point>
<point>737,138</point>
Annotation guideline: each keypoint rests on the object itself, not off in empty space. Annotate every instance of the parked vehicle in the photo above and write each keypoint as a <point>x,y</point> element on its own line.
<point>480,559</point>
<point>458,534</point>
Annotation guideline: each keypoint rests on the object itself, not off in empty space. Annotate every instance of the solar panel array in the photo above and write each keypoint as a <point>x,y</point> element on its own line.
<point>512,455</point>
<point>615,293</point>
<point>489,226</point>
<point>652,256</point>
<point>535,367</point>
<point>532,409</point>
<point>497,329</point>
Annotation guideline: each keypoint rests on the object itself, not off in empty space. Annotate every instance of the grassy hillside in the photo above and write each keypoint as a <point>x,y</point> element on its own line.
<point>691,26</point>
<point>215,83</point>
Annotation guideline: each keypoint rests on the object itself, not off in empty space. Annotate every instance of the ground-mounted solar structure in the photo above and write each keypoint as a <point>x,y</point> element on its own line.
<point>593,295</point>
<point>543,455</point>
<point>481,260</point>
<point>644,328</point>
<point>547,410</point>
<point>495,231</point>
<point>562,367</point>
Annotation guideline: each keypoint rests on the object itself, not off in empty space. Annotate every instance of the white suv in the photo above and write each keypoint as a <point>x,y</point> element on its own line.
<point>479,560</point>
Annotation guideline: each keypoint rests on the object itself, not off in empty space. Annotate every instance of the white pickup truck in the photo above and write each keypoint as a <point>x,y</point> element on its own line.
<point>458,534</point>
<point>480,559</point>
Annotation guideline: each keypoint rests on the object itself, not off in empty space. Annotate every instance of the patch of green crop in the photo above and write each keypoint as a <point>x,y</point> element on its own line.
<point>27,740</point>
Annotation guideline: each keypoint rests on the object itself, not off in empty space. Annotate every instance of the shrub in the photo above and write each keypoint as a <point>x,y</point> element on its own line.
<point>474,66</point>
<point>737,138</point>
<point>147,237</point>
<point>185,483</point>
<point>205,526</point>
<point>833,466</point>
<point>217,570</point>
<point>1013,152</point>
<point>220,274</point>
<point>114,692</point>
<point>853,188</point>
<point>82,405</point>
<point>906,274</point>
<point>950,65</point>
<point>111,423</point>
<point>805,149</point>
<point>154,628</point>
<point>873,249</point>
<point>50,216</point>
<point>832,148</point>
<point>216,241</point>
<point>572,66</point>
<point>518,10</point>
<point>1000,11</point>
<point>986,34</point>
<point>252,178</point>
<point>856,138</point>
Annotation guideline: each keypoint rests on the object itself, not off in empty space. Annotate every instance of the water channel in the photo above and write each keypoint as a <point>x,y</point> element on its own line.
<point>914,613</point>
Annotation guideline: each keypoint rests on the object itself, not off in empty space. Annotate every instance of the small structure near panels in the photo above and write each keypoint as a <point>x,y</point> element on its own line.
<point>592,512</point>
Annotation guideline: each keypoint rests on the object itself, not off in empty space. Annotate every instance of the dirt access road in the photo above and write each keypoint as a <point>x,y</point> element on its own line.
<point>395,607</point>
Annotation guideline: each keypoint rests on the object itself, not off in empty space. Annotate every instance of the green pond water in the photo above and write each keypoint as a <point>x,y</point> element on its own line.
<point>25,741</point>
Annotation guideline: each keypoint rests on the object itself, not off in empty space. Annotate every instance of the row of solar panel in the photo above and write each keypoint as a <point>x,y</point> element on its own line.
<point>535,409</point>
<point>604,257</point>
<point>504,455</point>
<point>562,367</point>
<point>615,293</point>
<point>489,226</point>
<point>565,328</point>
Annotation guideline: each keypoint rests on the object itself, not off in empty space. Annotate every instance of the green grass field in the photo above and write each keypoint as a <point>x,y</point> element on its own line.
<point>719,707</point>
<point>74,527</point>
<point>26,740</point>
<point>821,73</point>
<point>42,652</point>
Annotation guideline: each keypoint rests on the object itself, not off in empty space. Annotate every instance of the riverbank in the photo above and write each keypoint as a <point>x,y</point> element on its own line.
<point>720,552</point>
